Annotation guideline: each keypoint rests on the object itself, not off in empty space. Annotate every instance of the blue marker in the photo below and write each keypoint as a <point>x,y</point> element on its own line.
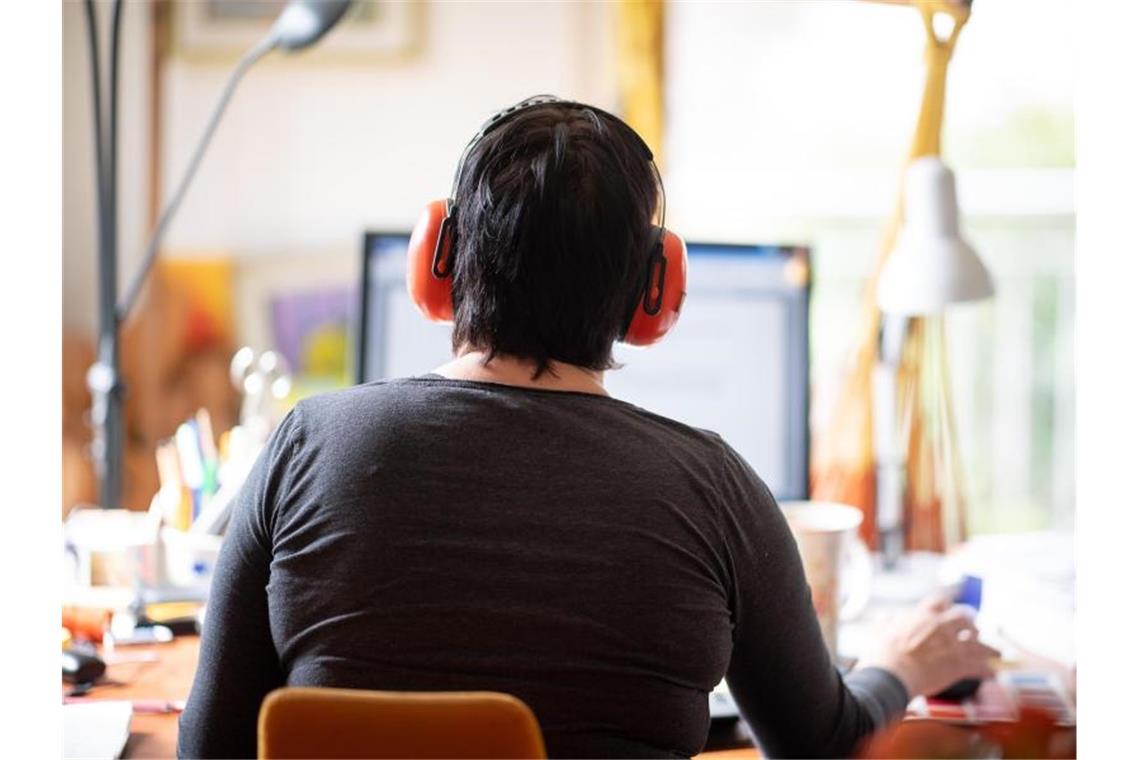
<point>970,592</point>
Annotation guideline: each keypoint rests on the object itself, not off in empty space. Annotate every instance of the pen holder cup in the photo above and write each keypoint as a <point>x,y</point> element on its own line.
<point>189,558</point>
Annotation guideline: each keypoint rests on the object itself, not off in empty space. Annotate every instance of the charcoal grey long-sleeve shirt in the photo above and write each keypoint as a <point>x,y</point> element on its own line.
<point>606,565</point>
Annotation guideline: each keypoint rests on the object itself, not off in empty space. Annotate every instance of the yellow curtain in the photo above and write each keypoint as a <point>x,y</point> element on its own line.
<point>843,466</point>
<point>641,57</point>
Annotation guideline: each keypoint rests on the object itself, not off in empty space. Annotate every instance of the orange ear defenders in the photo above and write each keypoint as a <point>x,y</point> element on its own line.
<point>432,248</point>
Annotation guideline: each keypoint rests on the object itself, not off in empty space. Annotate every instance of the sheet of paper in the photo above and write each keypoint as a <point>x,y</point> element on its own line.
<point>96,730</point>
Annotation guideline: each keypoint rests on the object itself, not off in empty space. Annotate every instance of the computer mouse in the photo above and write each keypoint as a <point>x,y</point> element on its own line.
<point>970,594</point>
<point>79,667</point>
<point>963,689</point>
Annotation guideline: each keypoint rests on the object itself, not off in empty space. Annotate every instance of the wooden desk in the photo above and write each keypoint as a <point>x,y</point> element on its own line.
<point>167,678</point>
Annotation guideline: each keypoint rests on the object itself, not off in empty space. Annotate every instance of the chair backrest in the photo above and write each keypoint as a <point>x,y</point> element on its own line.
<point>302,722</point>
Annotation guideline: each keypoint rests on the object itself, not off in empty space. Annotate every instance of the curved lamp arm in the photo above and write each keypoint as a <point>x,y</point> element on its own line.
<point>248,60</point>
<point>300,24</point>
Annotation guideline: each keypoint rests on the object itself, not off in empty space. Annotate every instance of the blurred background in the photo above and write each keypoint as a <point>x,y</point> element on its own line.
<point>781,123</point>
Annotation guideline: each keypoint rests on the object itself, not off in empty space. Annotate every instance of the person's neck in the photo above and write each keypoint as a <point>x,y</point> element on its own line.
<point>472,365</point>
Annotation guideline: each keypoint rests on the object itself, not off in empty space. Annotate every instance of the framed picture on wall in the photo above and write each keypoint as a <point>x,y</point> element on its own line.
<point>220,31</point>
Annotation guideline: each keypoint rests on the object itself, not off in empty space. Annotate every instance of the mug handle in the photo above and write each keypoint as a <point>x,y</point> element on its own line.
<point>856,574</point>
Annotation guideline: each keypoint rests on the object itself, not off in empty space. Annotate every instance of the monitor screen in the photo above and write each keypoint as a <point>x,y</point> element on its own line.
<point>736,363</point>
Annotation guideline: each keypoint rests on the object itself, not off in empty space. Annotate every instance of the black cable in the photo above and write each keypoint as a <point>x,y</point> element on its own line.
<point>134,287</point>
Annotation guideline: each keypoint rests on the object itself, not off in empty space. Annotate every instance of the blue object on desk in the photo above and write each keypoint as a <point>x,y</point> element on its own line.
<point>970,592</point>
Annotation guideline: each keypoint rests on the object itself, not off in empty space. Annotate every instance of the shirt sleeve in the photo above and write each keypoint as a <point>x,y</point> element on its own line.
<point>781,674</point>
<point>238,663</point>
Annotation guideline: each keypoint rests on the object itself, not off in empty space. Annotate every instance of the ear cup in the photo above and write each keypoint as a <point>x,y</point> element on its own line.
<point>659,307</point>
<point>430,262</point>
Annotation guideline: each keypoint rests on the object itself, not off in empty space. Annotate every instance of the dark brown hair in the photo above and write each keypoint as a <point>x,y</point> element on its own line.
<point>554,209</point>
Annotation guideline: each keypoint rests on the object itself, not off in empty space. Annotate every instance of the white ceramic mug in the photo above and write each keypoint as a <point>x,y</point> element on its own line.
<point>836,562</point>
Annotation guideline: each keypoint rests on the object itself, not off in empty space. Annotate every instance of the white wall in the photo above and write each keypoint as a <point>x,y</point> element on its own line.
<point>311,155</point>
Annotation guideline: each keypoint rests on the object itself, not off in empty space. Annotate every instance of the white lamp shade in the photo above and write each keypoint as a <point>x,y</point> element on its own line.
<point>931,266</point>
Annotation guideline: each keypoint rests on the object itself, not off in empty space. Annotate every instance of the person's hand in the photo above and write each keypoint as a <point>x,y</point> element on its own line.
<point>932,647</point>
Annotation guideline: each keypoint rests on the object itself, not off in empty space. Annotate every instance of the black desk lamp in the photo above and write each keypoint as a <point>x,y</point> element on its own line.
<point>301,23</point>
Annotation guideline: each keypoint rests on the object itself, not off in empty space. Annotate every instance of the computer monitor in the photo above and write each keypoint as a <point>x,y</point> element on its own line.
<point>736,363</point>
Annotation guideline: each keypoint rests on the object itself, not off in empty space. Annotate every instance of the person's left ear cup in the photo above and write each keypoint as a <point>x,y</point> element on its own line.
<point>429,262</point>
<point>660,304</point>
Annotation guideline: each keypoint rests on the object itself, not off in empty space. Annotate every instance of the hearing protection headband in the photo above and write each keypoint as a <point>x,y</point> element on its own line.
<point>443,269</point>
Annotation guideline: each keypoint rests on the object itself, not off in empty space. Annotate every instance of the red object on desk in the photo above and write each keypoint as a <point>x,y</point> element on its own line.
<point>1033,735</point>
<point>86,623</point>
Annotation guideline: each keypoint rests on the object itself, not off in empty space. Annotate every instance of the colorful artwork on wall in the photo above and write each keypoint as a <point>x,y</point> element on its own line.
<point>311,330</point>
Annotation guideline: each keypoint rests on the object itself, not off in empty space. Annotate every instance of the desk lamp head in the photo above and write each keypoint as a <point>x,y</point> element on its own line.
<point>932,266</point>
<point>303,22</point>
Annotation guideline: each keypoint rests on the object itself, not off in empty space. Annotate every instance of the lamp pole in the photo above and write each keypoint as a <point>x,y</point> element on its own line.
<point>300,24</point>
<point>103,377</point>
<point>929,192</point>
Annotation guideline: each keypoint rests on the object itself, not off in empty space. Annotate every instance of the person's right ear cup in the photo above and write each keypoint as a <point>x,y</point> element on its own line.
<point>429,262</point>
<point>659,307</point>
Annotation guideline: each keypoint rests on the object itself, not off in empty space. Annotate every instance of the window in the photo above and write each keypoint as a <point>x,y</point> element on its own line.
<point>795,120</point>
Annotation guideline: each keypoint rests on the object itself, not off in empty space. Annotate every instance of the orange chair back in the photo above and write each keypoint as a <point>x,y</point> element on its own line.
<point>301,722</point>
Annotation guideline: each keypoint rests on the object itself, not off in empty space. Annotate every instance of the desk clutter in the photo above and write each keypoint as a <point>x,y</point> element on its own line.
<point>150,667</point>
<point>137,580</point>
<point>173,545</point>
<point>200,478</point>
<point>148,684</point>
<point>1003,700</point>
